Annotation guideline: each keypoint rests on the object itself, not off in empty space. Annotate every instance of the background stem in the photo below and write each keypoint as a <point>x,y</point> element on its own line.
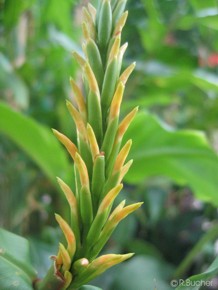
<point>185,264</point>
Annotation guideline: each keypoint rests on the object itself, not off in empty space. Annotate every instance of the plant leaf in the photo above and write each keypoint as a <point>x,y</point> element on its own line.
<point>36,140</point>
<point>15,268</point>
<point>197,281</point>
<point>185,156</point>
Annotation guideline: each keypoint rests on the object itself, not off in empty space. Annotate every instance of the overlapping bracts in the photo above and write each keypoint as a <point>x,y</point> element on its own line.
<point>99,158</point>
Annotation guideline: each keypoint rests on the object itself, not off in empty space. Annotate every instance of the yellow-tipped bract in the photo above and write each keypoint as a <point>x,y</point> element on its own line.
<point>116,102</point>
<point>93,84</point>
<point>125,123</point>
<point>83,172</point>
<point>80,100</point>
<point>122,156</point>
<point>70,146</point>
<point>125,75</point>
<point>69,235</point>
<point>77,119</point>
<point>120,23</point>
<point>92,142</point>
<point>66,259</point>
<point>114,49</point>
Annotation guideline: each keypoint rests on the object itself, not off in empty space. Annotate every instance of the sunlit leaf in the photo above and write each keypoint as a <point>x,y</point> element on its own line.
<point>185,156</point>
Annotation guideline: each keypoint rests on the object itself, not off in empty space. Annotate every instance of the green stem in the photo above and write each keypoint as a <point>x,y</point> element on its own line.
<point>51,281</point>
<point>185,264</point>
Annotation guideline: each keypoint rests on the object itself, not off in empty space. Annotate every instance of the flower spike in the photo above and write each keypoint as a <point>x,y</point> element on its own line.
<point>98,156</point>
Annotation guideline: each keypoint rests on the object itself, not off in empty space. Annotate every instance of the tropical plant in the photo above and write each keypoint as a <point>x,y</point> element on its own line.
<point>99,160</point>
<point>174,234</point>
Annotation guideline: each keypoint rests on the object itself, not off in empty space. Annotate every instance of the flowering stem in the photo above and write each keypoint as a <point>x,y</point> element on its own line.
<point>100,161</point>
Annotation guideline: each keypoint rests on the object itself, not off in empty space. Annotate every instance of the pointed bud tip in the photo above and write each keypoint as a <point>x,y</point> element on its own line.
<point>89,127</point>
<point>138,204</point>
<point>60,181</point>
<point>57,217</point>
<point>128,256</point>
<point>61,245</point>
<point>68,103</point>
<point>135,110</point>
<point>130,162</point>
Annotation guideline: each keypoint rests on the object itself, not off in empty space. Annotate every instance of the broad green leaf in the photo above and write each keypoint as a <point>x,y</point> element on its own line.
<point>36,140</point>
<point>16,271</point>
<point>184,156</point>
<point>142,272</point>
<point>195,282</point>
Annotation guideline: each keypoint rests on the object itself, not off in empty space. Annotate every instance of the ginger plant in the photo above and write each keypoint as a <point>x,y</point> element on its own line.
<point>99,157</point>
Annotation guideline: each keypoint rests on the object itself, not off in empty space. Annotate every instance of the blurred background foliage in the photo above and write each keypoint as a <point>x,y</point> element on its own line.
<point>175,44</point>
